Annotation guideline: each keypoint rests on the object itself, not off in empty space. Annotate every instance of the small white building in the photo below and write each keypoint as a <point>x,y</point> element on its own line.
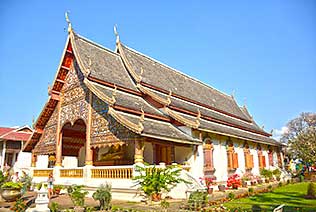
<point>12,140</point>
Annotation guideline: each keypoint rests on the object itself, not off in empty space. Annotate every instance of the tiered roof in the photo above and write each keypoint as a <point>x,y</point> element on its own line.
<point>150,98</point>
<point>15,133</point>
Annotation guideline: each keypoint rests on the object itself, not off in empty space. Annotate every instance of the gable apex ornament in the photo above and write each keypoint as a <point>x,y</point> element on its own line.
<point>116,34</point>
<point>68,21</point>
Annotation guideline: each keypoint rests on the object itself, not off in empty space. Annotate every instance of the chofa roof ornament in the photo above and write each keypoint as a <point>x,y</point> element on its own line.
<point>116,34</point>
<point>68,21</point>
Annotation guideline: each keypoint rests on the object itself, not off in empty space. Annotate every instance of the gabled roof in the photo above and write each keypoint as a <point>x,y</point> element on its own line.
<point>161,77</point>
<point>15,133</point>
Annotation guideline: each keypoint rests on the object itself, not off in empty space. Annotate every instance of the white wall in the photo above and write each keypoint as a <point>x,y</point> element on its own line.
<point>42,161</point>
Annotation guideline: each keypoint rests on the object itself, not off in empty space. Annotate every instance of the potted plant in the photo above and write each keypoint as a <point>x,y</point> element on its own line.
<point>234,181</point>
<point>11,191</point>
<point>153,181</point>
<point>77,196</point>
<point>57,189</point>
<point>267,174</point>
<point>209,184</point>
<point>104,196</point>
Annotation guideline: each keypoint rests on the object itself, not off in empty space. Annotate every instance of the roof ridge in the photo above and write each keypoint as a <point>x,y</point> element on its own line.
<point>177,71</point>
<point>96,44</point>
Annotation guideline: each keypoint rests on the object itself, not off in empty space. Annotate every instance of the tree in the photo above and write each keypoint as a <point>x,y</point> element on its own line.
<point>301,137</point>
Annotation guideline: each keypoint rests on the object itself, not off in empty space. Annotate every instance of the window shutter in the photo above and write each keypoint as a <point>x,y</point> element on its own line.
<point>235,160</point>
<point>263,161</point>
<point>251,161</point>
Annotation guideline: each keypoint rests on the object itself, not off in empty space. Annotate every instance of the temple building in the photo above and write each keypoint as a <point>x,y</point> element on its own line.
<point>108,110</point>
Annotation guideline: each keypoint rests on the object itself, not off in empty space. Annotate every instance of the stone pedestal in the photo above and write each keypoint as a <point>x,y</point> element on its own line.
<point>41,201</point>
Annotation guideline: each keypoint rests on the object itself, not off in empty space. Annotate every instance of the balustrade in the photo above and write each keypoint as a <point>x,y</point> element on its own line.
<point>42,172</point>
<point>71,173</point>
<point>114,173</point>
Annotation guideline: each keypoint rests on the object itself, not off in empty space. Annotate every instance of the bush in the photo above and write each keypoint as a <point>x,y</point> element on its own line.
<point>13,185</point>
<point>197,199</point>
<point>251,190</point>
<point>231,195</point>
<point>311,190</point>
<point>266,173</point>
<point>77,195</point>
<point>54,207</point>
<point>19,206</point>
<point>153,181</point>
<point>104,196</point>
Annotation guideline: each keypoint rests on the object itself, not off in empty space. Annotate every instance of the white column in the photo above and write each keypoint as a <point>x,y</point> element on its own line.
<point>3,154</point>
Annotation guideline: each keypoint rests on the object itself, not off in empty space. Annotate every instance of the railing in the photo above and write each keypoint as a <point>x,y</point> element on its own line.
<point>42,172</point>
<point>112,172</point>
<point>71,173</point>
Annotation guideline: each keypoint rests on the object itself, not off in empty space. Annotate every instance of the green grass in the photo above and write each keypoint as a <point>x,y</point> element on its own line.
<point>291,195</point>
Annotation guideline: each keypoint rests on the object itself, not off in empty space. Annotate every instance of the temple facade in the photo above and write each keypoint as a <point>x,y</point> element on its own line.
<point>108,110</point>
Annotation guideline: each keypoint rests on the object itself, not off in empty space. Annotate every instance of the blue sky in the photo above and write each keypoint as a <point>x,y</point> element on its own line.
<point>265,51</point>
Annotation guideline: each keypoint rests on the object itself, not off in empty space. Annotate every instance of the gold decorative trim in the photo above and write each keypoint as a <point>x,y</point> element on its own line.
<point>137,128</point>
<point>181,119</point>
<point>153,95</point>
<point>136,77</point>
<point>101,95</point>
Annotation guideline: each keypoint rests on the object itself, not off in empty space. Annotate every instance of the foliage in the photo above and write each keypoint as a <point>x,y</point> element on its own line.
<point>89,209</point>
<point>19,206</point>
<point>301,137</point>
<point>266,173</point>
<point>251,190</point>
<point>103,195</point>
<point>76,194</point>
<point>311,190</point>
<point>270,187</point>
<point>197,199</point>
<point>234,181</point>
<point>231,195</point>
<point>54,207</point>
<point>276,172</point>
<point>164,204</point>
<point>153,180</point>
<point>292,195</point>
<point>10,184</point>
<point>38,186</point>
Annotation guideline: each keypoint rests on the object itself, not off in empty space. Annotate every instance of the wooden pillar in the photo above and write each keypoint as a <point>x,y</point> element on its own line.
<point>59,135</point>
<point>139,151</point>
<point>59,150</point>
<point>89,153</point>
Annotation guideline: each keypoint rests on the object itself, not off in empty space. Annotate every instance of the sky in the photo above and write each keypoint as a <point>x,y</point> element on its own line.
<point>262,51</point>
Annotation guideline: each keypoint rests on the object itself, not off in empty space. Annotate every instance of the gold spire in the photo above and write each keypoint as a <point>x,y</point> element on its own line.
<point>116,34</point>
<point>68,21</point>
<point>169,97</point>
<point>114,93</point>
<point>198,117</point>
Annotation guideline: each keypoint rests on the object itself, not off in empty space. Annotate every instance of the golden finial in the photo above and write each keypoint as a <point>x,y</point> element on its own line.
<point>49,88</point>
<point>142,116</point>
<point>68,21</point>
<point>114,91</point>
<point>169,97</point>
<point>116,34</point>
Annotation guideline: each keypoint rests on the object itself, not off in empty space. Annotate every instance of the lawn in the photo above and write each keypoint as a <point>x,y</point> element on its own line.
<point>291,195</point>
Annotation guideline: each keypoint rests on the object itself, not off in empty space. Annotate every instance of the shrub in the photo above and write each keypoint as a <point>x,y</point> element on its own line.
<point>266,173</point>
<point>164,204</point>
<point>19,206</point>
<point>251,190</point>
<point>270,187</point>
<point>54,207</point>
<point>153,181</point>
<point>104,196</point>
<point>311,190</point>
<point>197,199</point>
<point>280,184</point>
<point>231,195</point>
<point>77,195</point>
